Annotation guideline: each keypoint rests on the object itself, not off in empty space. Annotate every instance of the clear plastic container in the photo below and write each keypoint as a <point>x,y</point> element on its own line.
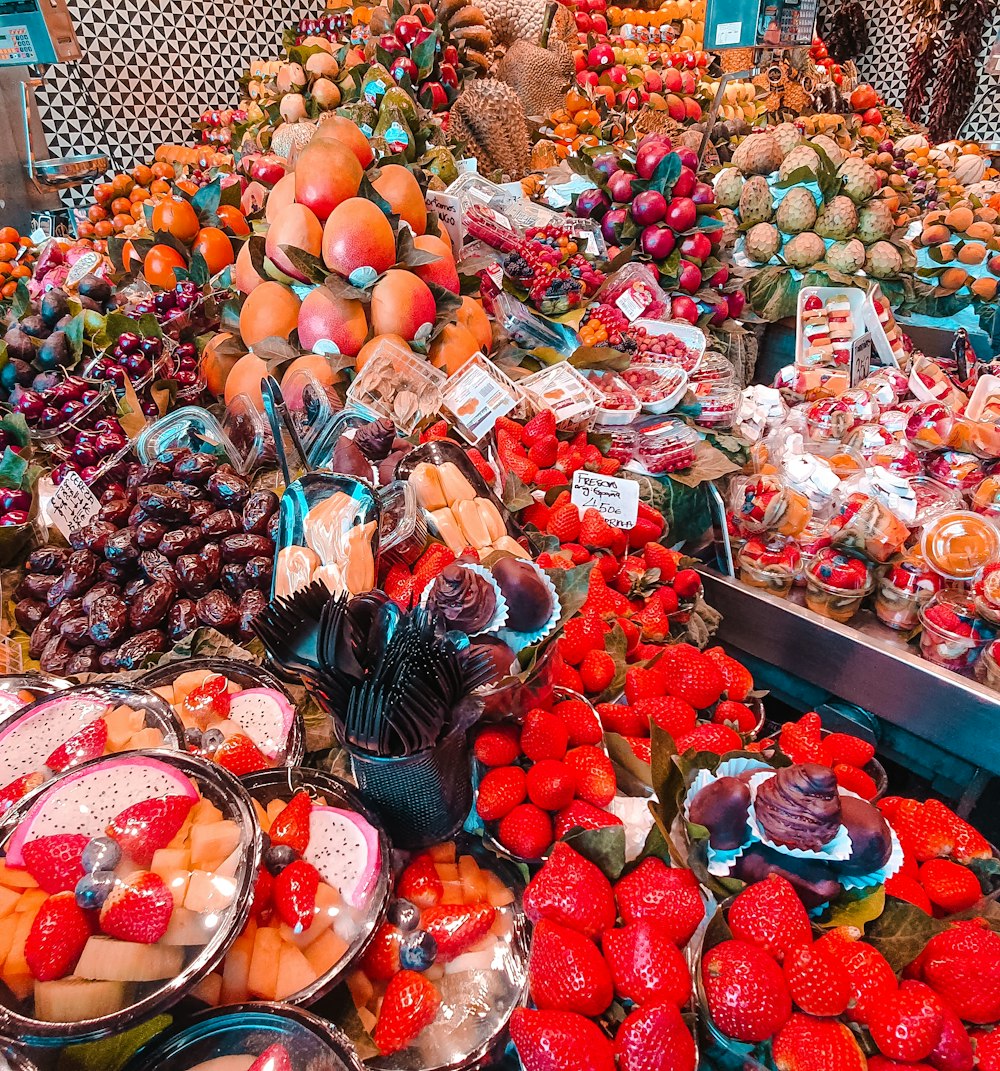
<point>862,404</point>
<point>958,544</point>
<point>895,421</point>
<point>868,527</point>
<point>929,426</point>
<point>635,290</point>
<point>714,368</point>
<point>771,565</point>
<point>903,588</point>
<point>719,407</point>
<point>659,389</point>
<point>898,458</point>
<point>986,592</point>
<point>667,446</point>
<point>986,497</point>
<point>476,396</point>
<point>987,669</point>
<point>669,342</point>
<point>618,402</point>
<point>836,584</point>
<point>765,503</point>
<point>828,419</point>
<point>57,442</point>
<point>402,528</point>
<point>17,690</point>
<point>399,386</point>
<point>564,390</point>
<point>191,429</point>
<point>952,635</point>
<point>529,330</point>
<point>933,499</point>
<point>963,472</point>
<point>867,439</point>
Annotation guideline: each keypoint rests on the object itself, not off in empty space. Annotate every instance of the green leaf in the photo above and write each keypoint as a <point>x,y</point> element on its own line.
<point>16,428</point>
<point>149,326</point>
<point>667,170</point>
<point>656,846</point>
<point>74,335</point>
<point>341,288</point>
<point>423,54</point>
<point>111,1054</point>
<point>197,270</point>
<point>516,494</point>
<point>230,195</point>
<point>855,908</point>
<point>309,265</point>
<point>206,202</point>
<point>801,176</point>
<point>599,357</point>
<point>581,165</point>
<point>901,932</point>
<point>20,303</point>
<point>634,775</point>
<point>604,847</point>
<point>12,469</point>
<point>117,324</point>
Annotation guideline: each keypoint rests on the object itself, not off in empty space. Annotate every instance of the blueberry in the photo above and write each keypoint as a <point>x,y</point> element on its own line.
<point>278,856</point>
<point>417,951</point>
<point>213,739</point>
<point>404,915</point>
<point>102,853</point>
<point>192,739</point>
<point>93,889</point>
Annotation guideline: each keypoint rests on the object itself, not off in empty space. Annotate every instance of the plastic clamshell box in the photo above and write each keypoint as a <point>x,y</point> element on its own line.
<point>402,528</point>
<point>190,428</point>
<point>566,391</point>
<point>880,337</point>
<point>608,416</point>
<point>692,337</point>
<point>399,386</point>
<point>477,395</point>
<point>857,299</point>
<point>529,329</point>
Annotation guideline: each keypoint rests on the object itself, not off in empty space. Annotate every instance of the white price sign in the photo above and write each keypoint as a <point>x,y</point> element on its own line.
<point>616,500</point>
<point>72,504</point>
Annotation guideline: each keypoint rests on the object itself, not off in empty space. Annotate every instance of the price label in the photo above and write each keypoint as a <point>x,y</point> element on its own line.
<point>861,359</point>
<point>72,504</point>
<point>449,215</point>
<point>616,500</point>
<point>728,33</point>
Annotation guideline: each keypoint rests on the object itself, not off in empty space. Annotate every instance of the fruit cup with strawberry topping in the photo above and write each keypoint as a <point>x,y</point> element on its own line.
<point>125,881</point>
<point>962,472</point>
<point>770,564</point>
<point>829,418</point>
<point>836,584</point>
<point>868,527</point>
<point>765,503</point>
<point>953,635</point>
<point>929,426</point>
<point>903,588</point>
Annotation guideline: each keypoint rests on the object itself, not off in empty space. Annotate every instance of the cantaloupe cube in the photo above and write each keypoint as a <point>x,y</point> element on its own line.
<point>168,860</point>
<point>447,871</point>
<point>16,879</point>
<point>212,842</point>
<point>263,820</point>
<point>15,963</point>
<point>186,682</point>
<point>368,1020</point>
<point>228,867</point>
<point>165,691</point>
<point>361,989</point>
<point>324,953</point>
<point>443,853</point>
<point>20,985</point>
<point>263,979</point>
<point>31,900</point>
<point>327,899</point>
<point>496,892</point>
<point>186,928</point>
<point>149,737</point>
<point>204,812</point>
<point>8,901</point>
<point>177,881</point>
<point>208,892</point>
<point>452,892</point>
<point>8,927</point>
<point>236,971</point>
<point>320,924</point>
<point>295,972</point>
<point>472,879</point>
<point>69,1000</point>
<point>274,808</point>
<point>209,989</point>
<point>123,723</point>
<point>108,960</point>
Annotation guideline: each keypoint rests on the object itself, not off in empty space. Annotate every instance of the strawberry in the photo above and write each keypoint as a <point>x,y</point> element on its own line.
<point>429,564</point>
<point>738,679</point>
<point>483,467</point>
<point>559,1041</point>
<point>291,825</point>
<point>594,774</point>
<point>801,740</point>
<point>294,894</point>
<point>544,735</point>
<point>855,780</point>
<point>537,514</point>
<point>718,739</point>
<point>632,633</point>
<point>541,426</point>
<point>962,965</point>
<point>602,600</point>
<point>817,981</point>
<point>607,466</point>
<point>806,1043</point>
<point>564,523</point>
<point>526,832</point>
<point>543,453</point>
<point>567,678</point>
<point>545,480</point>
<point>57,937</point>
<point>274,1058</point>
<point>522,467</point>
<point>880,1063</point>
<point>668,601</point>
<point>398,585</point>
<point>653,620</point>
<point>690,676</point>
<point>457,927</point>
<point>770,914</point>
<point>629,576</point>
<point>381,959</point>
<point>662,559</point>
<point>953,1051</point>
<point>507,428</point>
<point>904,887</point>
<point>868,972</point>
<point>641,748</point>
<point>746,992</point>
<point>208,701</point>
<point>655,1038</point>
<point>500,791</point>
<point>668,895</point>
<point>622,719</point>
<point>644,531</point>
<point>597,671</point>
<point>18,789</point>
<point>420,882</point>
<point>967,842</point>
<point>551,784</point>
<point>262,889</point>
<point>437,430</point>
<point>595,530</point>
<point>498,745</point>
<point>950,886</point>
<point>906,1025</point>
<point>410,1003</point>
<point>844,748</point>
<point>545,560</point>
<point>987,1044</point>
<point>687,584</point>
<point>54,861</point>
<point>646,964</point>
<point>571,890</point>
<point>643,683</point>
<point>240,755</point>
<point>566,971</point>
<point>138,909</point>
<point>669,713</point>
<point>583,815</point>
<point>88,743</point>
<point>580,720</point>
<point>149,825</point>
<point>578,553</point>
<point>737,716</point>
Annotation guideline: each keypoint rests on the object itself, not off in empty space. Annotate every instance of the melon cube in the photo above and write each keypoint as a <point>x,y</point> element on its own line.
<point>208,892</point>
<point>209,989</point>
<point>368,1021</point>
<point>20,985</point>
<point>8,927</point>
<point>166,692</point>
<point>236,968</point>
<point>15,963</point>
<point>327,899</point>
<point>472,879</point>
<point>211,843</point>
<point>443,853</point>
<point>361,989</point>
<point>228,867</point>
<point>274,808</point>
<point>263,979</point>
<point>263,820</point>
<point>186,928</point>
<point>8,901</point>
<point>31,900</point>
<point>204,812</point>
<point>447,871</point>
<point>150,737</point>
<point>70,1000</point>
<point>16,879</point>
<point>108,960</point>
<point>167,860</point>
<point>123,723</point>
<point>295,972</point>
<point>186,682</point>
<point>496,892</point>
<point>452,893</point>
<point>326,952</point>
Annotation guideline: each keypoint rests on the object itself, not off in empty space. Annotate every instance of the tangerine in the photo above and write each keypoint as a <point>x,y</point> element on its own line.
<point>177,217</point>
<point>9,235</point>
<point>142,174</point>
<point>7,251</point>
<point>162,170</point>
<point>245,377</point>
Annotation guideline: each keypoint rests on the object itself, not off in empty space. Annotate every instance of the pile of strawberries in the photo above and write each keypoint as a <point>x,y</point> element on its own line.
<point>544,777</point>
<point>534,454</point>
<point>404,584</point>
<point>600,949</point>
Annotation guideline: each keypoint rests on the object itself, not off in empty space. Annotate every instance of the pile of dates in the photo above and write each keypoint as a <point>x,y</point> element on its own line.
<point>185,542</point>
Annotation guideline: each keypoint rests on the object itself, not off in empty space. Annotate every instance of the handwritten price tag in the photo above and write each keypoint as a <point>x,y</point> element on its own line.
<point>72,504</point>
<point>616,500</point>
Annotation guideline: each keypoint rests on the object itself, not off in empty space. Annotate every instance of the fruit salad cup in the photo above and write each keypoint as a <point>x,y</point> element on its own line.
<point>903,588</point>
<point>233,712</point>
<point>867,526</point>
<point>770,564</point>
<point>126,880</point>
<point>446,969</point>
<point>897,458</point>
<point>322,891</point>
<point>953,635</point>
<point>829,418</point>
<point>929,426</point>
<point>986,497</point>
<point>988,667</point>
<point>962,472</point>
<point>986,593</point>
<point>959,544</point>
<point>862,404</point>
<point>765,503</point>
<point>812,541</point>
<point>59,731</point>
<point>836,584</point>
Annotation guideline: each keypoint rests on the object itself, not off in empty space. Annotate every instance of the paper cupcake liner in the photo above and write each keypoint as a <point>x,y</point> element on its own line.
<point>496,622</point>
<point>517,641</point>
<point>720,863</point>
<point>890,867</point>
<point>836,850</point>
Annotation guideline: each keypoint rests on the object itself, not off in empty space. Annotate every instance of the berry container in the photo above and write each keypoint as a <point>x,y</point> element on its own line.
<point>667,342</point>
<point>953,636</point>
<point>659,389</point>
<point>617,404</point>
<point>719,407</point>
<point>713,368</point>
<point>56,443</point>
<point>667,446</point>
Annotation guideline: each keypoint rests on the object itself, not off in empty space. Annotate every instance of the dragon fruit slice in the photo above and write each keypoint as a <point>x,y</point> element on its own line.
<point>87,801</point>
<point>266,717</point>
<point>26,741</point>
<point>344,848</point>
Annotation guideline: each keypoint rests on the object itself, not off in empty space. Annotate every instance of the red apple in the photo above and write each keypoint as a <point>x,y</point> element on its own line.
<point>580,60</point>
<point>614,218</point>
<point>598,24</point>
<point>620,186</point>
<point>696,247</point>
<point>653,81</point>
<point>658,241</point>
<point>686,182</point>
<point>682,214</point>
<point>600,56</point>
<point>407,27</point>
<point>390,43</point>
<point>649,207</point>
<point>268,168</point>
<point>736,301</point>
<point>689,158</point>
<point>689,84</point>
<point>451,55</point>
<point>587,78</point>
<point>592,204</point>
<point>683,308</point>
<point>583,22</point>
<point>721,277</point>
<point>449,75</point>
<point>606,163</point>
<point>404,65</point>
<point>617,75</point>
<point>703,194</point>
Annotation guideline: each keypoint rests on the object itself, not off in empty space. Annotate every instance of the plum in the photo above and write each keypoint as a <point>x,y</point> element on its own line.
<point>722,808</point>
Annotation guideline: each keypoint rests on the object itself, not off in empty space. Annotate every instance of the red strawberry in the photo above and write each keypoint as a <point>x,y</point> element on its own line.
<point>602,600</point>
<point>950,886</point>
<point>500,791</point>
<point>541,426</point>
<point>294,894</point>
<point>571,890</point>
<point>594,774</point>
<point>420,882</point>
<point>597,671</point>
<point>580,636</point>
<point>578,553</point>
<point>953,1051</point>
<point>687,583</point>
<point>868,972</point>
<point>207,701</point>
<point>906,1025</point>
<point>662,558</point>
<point>543,453</point>
<point>138,909</point>
<point>904,887</point>
<point>719,739</point>
<point>580,721</point>
<point>690,676</point>
<point>622,719</point>
<point>595,530</point>
<point>559,1041</point>
<point>435,558</point>
<point>669,713</point>
<point>18,789</point>
<point>262,889</point>
<point>545,480</point>
<point>566,677</point>
<point>437,430</point>
<point>398,585</point>
<point>801,740</point>
<point>668,895</point>
<point>646,964</point>
<point>880,1063</point>
<point>88,743</point>
<point>739,681</point>
<point>551,784</point>
<point>582,815</point>
<point>537,514</point>
<point>145,827</point>
<point>654,621</point>
<point>526,832</point>
<point>655,1038</point>
<point>564,523</point>
<point>855,780</point>
<point>632,633</point>
<point>410,1003</point>
<point>483,467</point>
<point>843,748</point>
<point>987,1044</point>
<point>643,683</point>
<point>629,574</point>
<point>54,862</point>
<point>566,971</point>
<point>291,825</point>
<point>962,965</point>
<point>521,466</point>
<point>667,598</point>
<point>641,748</point>
<point>643,531</point>
<point>240,755</point>
<point>746,992</point>
<point>967,842</point>
<point>806,1043</point>
<point>544,735</point>
<point>770,914</point>
<point>381,958</point>
<point>817,981</point>
<point>497,745</point>
<point>57,937</point>
<point>456,927</point>
<point>736,715</point>
<point>274,1058</point>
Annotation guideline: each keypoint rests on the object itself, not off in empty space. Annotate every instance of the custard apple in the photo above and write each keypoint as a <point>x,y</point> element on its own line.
<point>834,152</point>
<point>787,135</point>
<point>875,222</point>
<point>730,227</point>
<point>837,218</point>
<point>758,154</point>
<point>804,250</point>
<point>847,257</point>
<point>762,242</point>
<point>797,211</point>
<point>756,204</point>
<point>728,187</point>
<point>860,180</point>
<point>803,156</point>
<point>884,261</point>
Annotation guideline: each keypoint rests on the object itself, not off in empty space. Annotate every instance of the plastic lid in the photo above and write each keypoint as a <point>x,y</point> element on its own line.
<point>166,920</point>
<point>192,428</point>
<point>833,569</point>
<point>958,544</point>
<point>17,690</point>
